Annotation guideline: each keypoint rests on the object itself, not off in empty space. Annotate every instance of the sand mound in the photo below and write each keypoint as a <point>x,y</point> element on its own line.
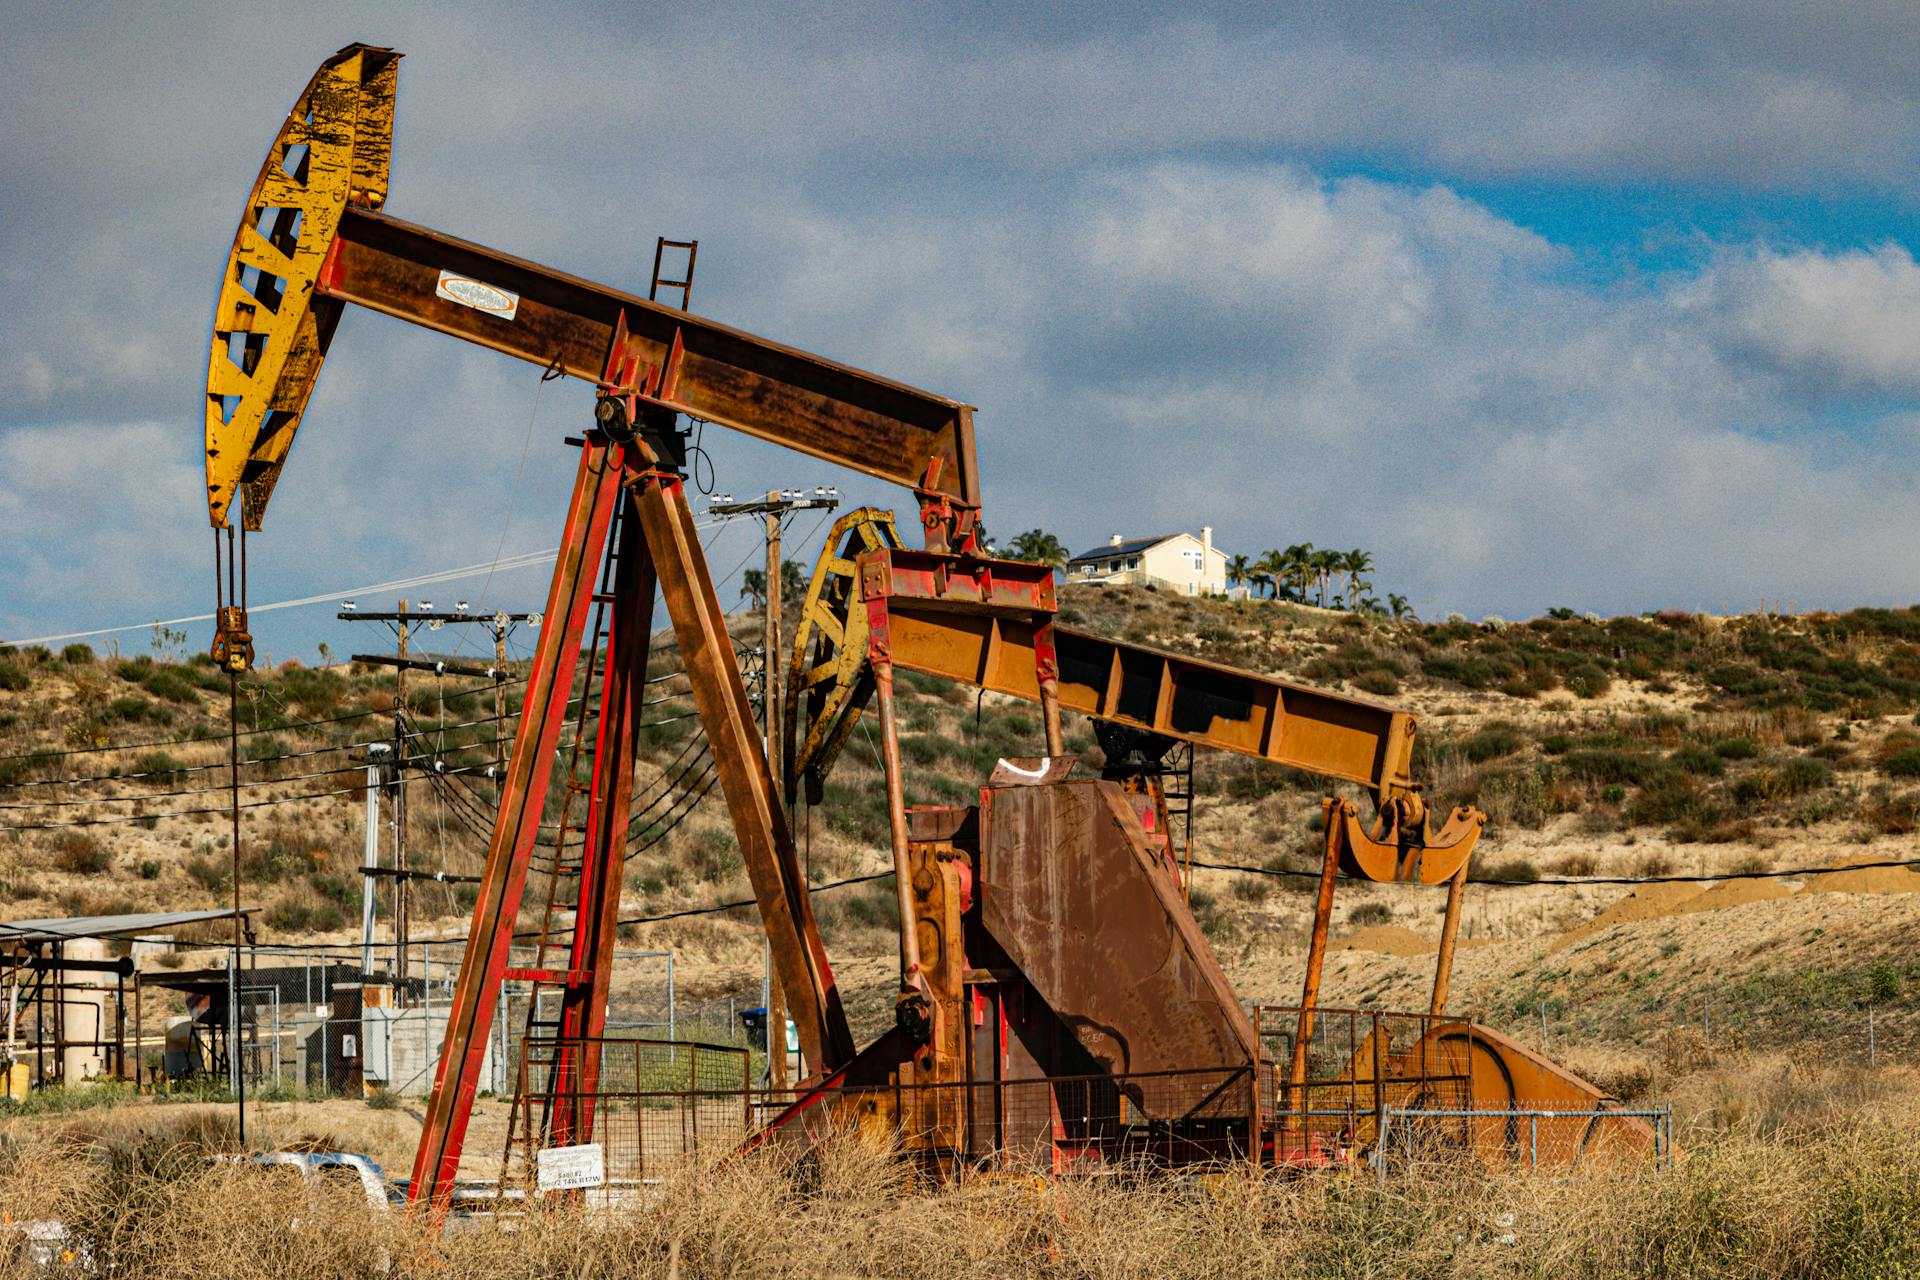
<point>1388,940</point>
<point>1648,902</point>
<point>1735,893</point>
<point>1862,879</point>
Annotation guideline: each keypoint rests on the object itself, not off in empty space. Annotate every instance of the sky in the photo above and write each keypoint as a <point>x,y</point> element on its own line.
<point>1611,307</point>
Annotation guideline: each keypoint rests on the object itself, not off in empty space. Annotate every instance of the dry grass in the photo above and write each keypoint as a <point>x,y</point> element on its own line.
<point>1839,1199</point>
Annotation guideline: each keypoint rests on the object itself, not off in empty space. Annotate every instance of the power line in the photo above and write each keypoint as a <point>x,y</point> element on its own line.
<point>203,768</point>
<point>523,560</point>
<point>1496,882</point>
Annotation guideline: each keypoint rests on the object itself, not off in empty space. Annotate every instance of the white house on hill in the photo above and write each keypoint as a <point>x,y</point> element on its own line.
<point>1192,566</point>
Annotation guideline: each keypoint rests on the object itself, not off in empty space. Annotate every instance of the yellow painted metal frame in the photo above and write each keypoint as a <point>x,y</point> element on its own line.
<point>269,331</point>
<point>827,683</point>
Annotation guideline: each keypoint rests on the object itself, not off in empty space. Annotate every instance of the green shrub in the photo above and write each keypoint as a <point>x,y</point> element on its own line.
<point>1515,871</point>
<point>1602,765</point>
<point>1698,760</point>
<point>1736,749</point>
<point>80,853</point>
<point>1380,682</point>
<point>1904,763</point>
<point>1741,680</point>
<point>1587,680</point>
<point>1797,777</point>
<point>1470,672</point>
<point>150,869</point>
<point>134,708</point>
<point>159,765</point>
<point>208,874</point>
<point>1492,742</point>
<point>13,677</point>
<point>76,655</point>
<point>1370,913</point>
<point>171,684</point>
<point>1668,799</point>
<point>1883,981</point>
<point>343,892</point>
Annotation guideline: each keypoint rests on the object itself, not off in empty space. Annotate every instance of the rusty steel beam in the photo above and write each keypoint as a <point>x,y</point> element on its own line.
<point>311,239</point>
<point>985,623</point>
<point>558,321</point>
<point>1449,939</point>
<point>759,823</point>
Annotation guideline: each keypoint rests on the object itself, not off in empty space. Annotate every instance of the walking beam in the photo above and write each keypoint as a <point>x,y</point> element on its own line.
<point>310,241</point>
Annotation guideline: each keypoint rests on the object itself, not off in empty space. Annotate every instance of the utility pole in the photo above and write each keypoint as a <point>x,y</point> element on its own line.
<point>770,717</point>
<point>404,631</point>
<point>399,757</point>
<point>774,509</point>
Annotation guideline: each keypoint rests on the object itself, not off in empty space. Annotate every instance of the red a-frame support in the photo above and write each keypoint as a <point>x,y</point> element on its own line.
<point>619,486</point>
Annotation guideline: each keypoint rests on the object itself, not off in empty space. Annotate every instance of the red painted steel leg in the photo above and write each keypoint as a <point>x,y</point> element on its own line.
<point>470,1014</point>
<point>583,1015</point>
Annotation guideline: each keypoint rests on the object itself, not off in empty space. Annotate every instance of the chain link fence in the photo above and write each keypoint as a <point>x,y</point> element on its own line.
<point>1594,1140</point>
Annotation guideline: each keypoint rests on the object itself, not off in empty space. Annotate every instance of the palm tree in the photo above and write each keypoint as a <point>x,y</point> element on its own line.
<point>754,583</point>
<point>1237,570</point>
<point>1037,546</point>
<point>1355,562</point>
<point>1323,565</point>
<point>1398,604</point>
<point>1297,560</point>
<point>1269,569</point>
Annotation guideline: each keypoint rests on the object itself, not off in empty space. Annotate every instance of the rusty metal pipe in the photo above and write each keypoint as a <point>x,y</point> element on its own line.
<point>1316,953</point>
<point>1050,716</point>
<point>1449,934</point>
<point>910,979</point>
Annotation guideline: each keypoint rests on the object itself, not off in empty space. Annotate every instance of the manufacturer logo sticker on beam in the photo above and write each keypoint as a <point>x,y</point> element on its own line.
<point>477,294</point>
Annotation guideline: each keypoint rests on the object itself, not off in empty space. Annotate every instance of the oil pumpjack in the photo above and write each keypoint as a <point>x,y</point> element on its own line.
<point>1045,937</point>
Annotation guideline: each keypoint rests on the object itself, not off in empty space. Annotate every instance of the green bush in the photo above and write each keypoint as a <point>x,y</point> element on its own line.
<point>1515,871</point>
<point>1797,777</point>
<point>171,684</point>
<point>1602,765</point>
<point>208,874</point>
<point>134,708</point>
<point>150,869</point>
<point>1587,680</point>
<point>159,765</point>
<point>1470,672</point>
<point>1380,682</point>
<point>1904,763</point>
<point>1492,742</point>
<point>1736,749</point>
<point>1794,778</point>
<point>1698,760</point>
<point>1370,913</point>
<point>13,677</point>
<point>76,655</point>
<point>1668,799</point>
<point>80,853</point>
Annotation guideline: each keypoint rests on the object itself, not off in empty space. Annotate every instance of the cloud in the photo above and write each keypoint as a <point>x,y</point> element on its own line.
<point>1123,236</point>
<point>1833,322</point>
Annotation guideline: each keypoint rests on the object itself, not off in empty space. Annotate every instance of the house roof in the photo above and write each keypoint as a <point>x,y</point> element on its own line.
<point>1132,546</point>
